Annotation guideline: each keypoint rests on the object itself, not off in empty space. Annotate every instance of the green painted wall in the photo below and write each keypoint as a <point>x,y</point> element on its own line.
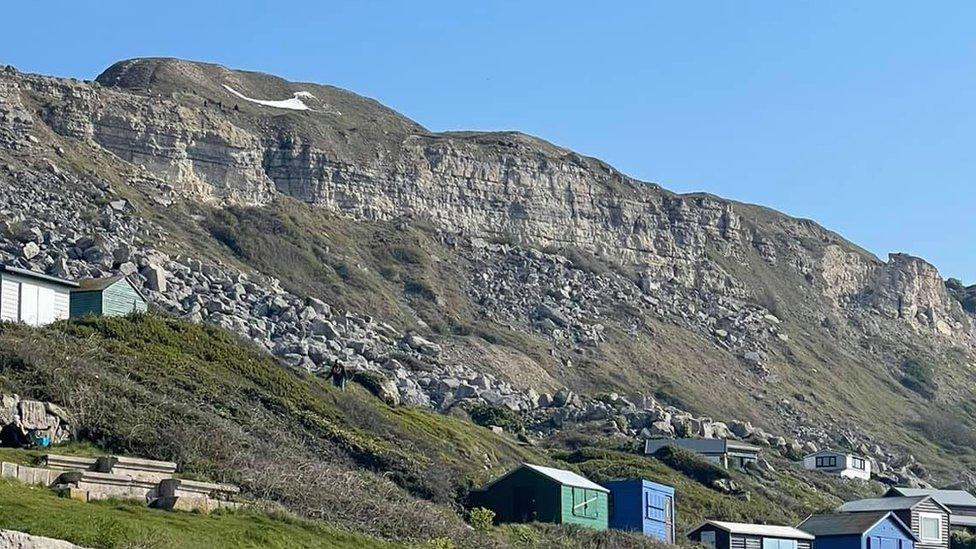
<point>523,496</point>
<point>84,303</point>
<point>594,513</point>
<point>119,299</point>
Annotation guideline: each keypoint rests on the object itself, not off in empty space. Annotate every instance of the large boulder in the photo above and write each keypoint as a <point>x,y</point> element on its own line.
<point>155,277</point>
<point>422,345</point>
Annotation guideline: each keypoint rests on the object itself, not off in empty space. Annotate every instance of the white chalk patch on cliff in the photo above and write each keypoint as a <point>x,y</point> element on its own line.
<point>295,103</point>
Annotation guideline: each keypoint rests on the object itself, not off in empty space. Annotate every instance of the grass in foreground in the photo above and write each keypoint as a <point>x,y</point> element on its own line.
<point>40,512</point>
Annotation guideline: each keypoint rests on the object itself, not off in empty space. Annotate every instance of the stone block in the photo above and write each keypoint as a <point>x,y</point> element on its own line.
<point>8,470</point>
<point>69,463</point>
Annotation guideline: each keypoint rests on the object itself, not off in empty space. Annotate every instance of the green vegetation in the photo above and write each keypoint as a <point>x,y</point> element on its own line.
<point>691,464</point>
<point>481,519</point>
<point>783,496</point>
<point>166,389</point>
<point>962,540</point>
<point>34,456</point>
<point>919,376</point>
<point>487,415</point>
<point>40,512</point>
<point>161,388</point>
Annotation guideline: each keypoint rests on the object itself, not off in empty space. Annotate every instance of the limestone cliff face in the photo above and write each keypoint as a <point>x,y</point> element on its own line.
<point>493,185</point>
<point>911,289</point>
<point>182,122</point>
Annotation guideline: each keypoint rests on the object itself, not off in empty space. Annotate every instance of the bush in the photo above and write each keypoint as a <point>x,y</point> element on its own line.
<point>691,465</point>
<point>962,540</point>
<point>482,519</point>
<point>487,415</point>
<point>373,382</point>
<point>439,543</point>
<point>919,377</point>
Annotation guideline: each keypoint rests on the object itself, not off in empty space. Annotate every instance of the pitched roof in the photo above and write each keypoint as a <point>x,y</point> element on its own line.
<point>568,478</point>
<point>960,498</point>
<point>699,445</point>
<point>844,524</point>
<point>39,276</point>
<point>885,504</point>
<point>99,284</point>
<point>89,284</point>
<point>765,530</point>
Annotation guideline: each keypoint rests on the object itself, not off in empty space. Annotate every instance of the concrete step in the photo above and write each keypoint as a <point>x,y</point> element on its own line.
<point>147,469</point>
<point>69,463</point>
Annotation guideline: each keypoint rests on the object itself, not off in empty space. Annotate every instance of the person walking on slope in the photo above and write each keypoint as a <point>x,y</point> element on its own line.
<point>338,375</point>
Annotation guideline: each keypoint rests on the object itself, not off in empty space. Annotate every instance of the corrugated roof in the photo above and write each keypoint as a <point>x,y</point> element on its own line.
<point>844,524</point>
<point>38,276</point>
<point>883,504</point>
<point>766,530</point>
<point>960,498</point>
<point>568,478</point>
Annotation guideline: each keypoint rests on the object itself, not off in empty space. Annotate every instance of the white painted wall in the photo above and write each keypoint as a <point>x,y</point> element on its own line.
<point>844,467</point>
<point>31,301</point>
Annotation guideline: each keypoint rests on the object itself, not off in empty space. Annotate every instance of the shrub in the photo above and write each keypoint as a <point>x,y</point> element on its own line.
<point>919,377</point>
<point>691,465</point>
<point>372,382</point>
<point>439,543</point>
<point>486,415</point>
<point>962,540</point>
<point>945,428</point>
<point>482,519</point>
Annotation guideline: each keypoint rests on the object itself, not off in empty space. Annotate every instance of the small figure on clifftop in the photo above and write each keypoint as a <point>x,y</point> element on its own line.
<point>338,374</point>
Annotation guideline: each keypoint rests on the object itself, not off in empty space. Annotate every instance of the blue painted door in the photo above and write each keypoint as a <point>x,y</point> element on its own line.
<point>659,515</point>
<point>878,542</point>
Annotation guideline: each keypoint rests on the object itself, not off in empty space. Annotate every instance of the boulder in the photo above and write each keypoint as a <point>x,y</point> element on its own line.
<point>155,277</point>
<point>659,429</point>
<point>33,415</point>
<point>30,250</point>
<point>422,345</point>
<point>741,429</point>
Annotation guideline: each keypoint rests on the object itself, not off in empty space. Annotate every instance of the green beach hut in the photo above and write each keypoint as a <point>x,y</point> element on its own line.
<point>533,493</point>
<point>112,296</point>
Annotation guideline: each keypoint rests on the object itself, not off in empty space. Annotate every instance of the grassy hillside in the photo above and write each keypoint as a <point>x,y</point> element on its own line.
<point>128,524</point>
<point>161,388</point>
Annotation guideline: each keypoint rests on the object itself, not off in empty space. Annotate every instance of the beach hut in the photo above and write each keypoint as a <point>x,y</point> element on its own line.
<point>868,530</point>
<point>533,493</point>
<point>739,535</point>
<point>33,298</point>
<point>639,505</point>
<point>111,296</point>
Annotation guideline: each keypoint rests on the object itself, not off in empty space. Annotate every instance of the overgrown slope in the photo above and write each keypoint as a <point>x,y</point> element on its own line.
<point>166,389</point>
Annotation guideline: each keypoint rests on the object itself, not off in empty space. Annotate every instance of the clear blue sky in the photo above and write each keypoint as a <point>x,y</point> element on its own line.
<point>861,117</point>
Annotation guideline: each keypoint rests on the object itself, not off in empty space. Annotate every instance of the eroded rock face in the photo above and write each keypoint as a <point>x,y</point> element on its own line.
<point>695,266</point>
<point>911,289</point>
<point>490,185</point>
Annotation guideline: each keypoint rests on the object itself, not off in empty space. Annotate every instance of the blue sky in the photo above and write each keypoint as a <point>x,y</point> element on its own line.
<point>860,115</point>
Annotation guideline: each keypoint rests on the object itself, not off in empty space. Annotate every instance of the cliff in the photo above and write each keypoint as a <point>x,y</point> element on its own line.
<point>478,254</point>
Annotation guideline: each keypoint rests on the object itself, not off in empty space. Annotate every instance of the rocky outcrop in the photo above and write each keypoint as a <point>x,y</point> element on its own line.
<point>19,540</point>
<point>910,289</point>
<point>25,422</point>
